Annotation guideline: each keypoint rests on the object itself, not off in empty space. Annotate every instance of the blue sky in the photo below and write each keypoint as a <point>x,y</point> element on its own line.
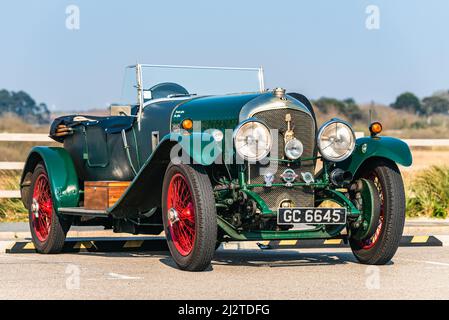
<point>319,48</point>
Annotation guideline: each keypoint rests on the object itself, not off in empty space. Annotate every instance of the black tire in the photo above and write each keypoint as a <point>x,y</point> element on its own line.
<point>58,228</point>
<point>380,249</point>
<point>202,248</point>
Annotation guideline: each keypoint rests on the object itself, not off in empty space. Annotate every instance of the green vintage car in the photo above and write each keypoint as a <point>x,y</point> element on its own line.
<point>208,155</point>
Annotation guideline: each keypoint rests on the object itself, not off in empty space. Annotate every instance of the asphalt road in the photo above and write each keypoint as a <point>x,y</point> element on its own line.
<point>418,273</point>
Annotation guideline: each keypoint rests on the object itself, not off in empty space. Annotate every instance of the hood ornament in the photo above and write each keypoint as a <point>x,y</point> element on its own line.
<point>289,134</point>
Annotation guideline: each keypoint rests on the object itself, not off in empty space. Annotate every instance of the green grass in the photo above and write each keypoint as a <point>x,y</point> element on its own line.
<point>428,193</point>
<point>11,210</point>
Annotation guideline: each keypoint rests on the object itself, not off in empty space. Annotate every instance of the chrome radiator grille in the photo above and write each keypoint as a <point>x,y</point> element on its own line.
<point>304,128</point>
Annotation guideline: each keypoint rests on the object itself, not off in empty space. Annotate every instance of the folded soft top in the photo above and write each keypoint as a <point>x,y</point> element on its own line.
<point>112,124</point>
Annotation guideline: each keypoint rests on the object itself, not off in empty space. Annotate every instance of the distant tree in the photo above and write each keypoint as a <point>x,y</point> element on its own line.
<point>409,102</point>
<point>435,104</point>
<point>443,94</point>
<point>352,109</point>
<point>347,107</point>
<point>21,104</point>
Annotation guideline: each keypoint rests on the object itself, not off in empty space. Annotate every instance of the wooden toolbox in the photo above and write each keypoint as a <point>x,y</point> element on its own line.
<point>100,195</point>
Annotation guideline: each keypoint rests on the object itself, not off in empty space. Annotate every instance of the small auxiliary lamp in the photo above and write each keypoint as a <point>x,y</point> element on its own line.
<point>375,128</point>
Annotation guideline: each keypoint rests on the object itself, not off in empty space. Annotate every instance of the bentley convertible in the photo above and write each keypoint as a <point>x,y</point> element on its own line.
<point>208,155</point>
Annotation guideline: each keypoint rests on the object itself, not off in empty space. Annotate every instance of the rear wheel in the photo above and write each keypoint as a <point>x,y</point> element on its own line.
<point>189,215</point>
<point>48,231</point>
<point>382,245</point>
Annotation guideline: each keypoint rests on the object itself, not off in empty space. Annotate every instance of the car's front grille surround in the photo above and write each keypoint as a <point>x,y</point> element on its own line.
<point>304,128</point>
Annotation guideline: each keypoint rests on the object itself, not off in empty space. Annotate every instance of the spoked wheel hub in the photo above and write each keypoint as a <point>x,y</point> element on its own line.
<point>181,215</point>
<point>35,208</point>
<point>173,216</point>
<point>42,208</point>
<point>372,241</point>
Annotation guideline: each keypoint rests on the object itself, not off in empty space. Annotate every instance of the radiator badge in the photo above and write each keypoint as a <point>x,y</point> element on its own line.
<point>269,178</point>
<point>289,176</point>
<point>307,177</point>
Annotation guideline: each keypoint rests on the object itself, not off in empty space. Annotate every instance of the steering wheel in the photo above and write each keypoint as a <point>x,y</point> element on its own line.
<point>167,90</point>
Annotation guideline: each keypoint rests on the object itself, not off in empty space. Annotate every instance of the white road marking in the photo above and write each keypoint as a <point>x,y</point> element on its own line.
<point>437,263</point>
<point>427,262</point>
<point>116,276</point>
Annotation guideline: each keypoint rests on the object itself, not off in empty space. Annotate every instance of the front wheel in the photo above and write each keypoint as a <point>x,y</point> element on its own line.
<point>48,230</point>
<point>190,217</point>
<point>380,248</point>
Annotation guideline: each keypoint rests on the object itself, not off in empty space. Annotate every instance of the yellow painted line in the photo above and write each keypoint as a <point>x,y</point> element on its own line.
<point>420,239</point>
<point>133,244</point>
<point>265,243</point>
<point>288,242</point>
<point>333,241</point>
<point>83,245</point>
<point>29,246</point>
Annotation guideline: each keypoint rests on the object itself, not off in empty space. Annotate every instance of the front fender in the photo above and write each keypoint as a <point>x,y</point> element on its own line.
<point>61,174</point>
<point>145,191</point>
<point>381,147</point>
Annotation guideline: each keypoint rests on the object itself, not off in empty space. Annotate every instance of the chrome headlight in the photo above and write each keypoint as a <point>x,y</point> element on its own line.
<point>294,149</point>
<point>336,140</point>
<point>253,140</point>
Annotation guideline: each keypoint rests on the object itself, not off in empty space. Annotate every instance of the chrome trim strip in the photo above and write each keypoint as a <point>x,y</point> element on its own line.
<point>261,80</point>
<point>167,99</point>
<point>197,67</point>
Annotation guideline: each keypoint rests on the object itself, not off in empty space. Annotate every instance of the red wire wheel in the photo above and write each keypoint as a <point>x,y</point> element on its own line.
<point>42,208</point>
<point>381,247</point>
<point>371,242</point>
<point>189,215</point>
<point>181,214</point>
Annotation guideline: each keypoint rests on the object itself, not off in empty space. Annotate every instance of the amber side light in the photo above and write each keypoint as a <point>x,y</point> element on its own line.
<point>187,124</point>
<point>375,128</point>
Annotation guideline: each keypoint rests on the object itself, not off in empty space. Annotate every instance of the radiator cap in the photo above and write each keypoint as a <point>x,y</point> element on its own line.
<point>279,93</point>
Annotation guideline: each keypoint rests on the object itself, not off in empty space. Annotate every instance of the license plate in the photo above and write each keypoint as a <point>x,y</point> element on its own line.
<point>289,216</point>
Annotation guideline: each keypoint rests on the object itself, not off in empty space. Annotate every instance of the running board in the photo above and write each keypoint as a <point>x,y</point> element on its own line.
<point>78,211</point>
